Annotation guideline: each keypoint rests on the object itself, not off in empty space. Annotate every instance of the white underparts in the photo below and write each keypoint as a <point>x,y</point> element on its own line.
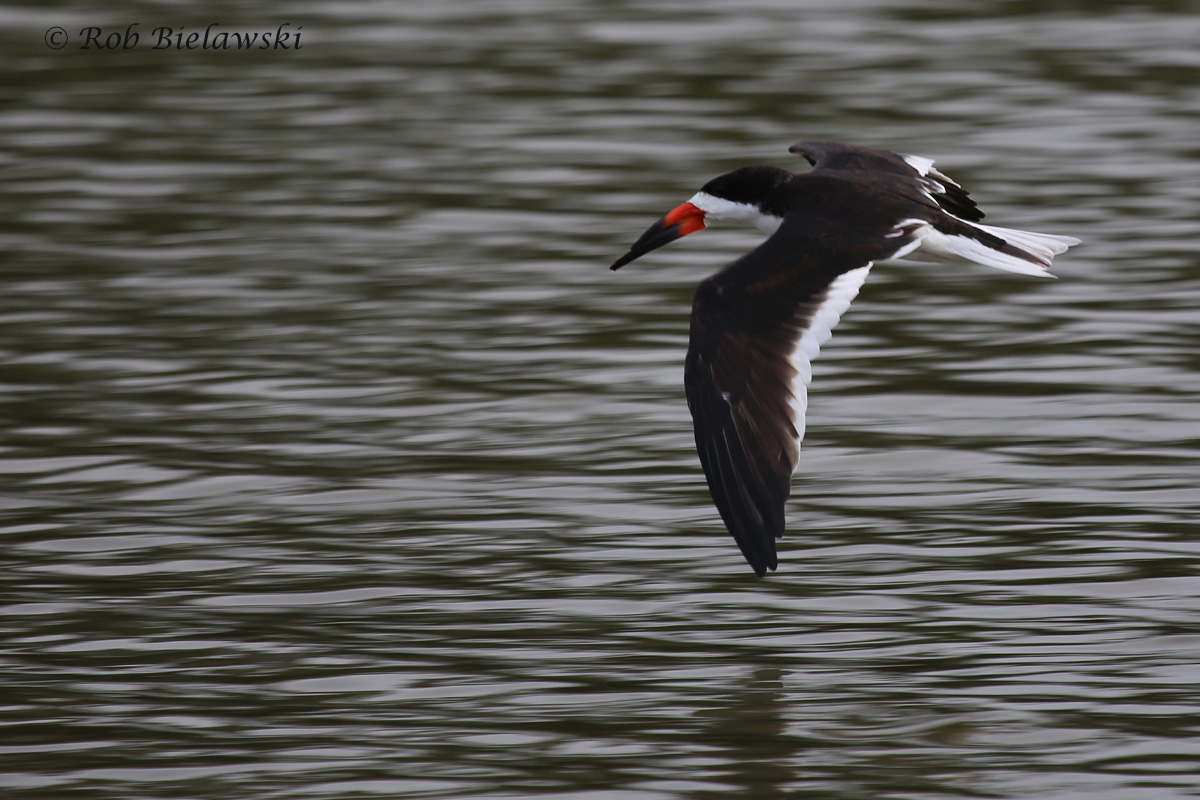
<point>837,299</point>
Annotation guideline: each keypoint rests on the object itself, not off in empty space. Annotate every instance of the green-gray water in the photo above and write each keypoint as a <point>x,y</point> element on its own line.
<point>335,463</point>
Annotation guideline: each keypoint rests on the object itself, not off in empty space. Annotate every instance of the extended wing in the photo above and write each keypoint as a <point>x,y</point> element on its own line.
<point>756,327</point>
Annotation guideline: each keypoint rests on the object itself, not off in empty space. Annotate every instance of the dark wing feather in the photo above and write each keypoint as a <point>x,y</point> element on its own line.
<point>738,390</point>
<point>755,327</point>
<point>829,156</point>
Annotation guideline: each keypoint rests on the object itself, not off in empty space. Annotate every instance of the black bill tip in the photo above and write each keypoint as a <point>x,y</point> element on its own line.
<point>680,222</point>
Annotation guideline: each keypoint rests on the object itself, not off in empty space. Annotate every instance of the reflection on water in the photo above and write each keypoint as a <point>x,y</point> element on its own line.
<point>337,463</point>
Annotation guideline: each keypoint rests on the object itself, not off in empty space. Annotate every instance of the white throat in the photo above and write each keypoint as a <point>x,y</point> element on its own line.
<point>718,209</point>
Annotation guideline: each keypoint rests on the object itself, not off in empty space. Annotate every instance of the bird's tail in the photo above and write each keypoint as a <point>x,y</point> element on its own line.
<point>1024,252</point>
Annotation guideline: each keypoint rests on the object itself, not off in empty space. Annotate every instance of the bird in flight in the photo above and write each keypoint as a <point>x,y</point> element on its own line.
<point>758,323</point>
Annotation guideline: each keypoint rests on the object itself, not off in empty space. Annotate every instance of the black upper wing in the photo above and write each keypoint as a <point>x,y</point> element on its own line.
<point>829,156</point>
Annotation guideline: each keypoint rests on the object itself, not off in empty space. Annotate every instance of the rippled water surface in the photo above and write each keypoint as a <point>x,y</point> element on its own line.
<point>335,462</point>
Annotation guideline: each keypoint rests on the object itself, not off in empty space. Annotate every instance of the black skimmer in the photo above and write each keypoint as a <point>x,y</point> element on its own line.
<point>758,323</point>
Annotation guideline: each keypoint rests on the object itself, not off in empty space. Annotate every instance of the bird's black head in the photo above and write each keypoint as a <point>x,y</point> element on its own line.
<point>757,187</point>
<point>751,194</point>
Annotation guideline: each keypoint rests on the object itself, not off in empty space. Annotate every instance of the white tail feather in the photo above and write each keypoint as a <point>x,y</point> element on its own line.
<point>955,249</point>
<point>1045,245</point>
